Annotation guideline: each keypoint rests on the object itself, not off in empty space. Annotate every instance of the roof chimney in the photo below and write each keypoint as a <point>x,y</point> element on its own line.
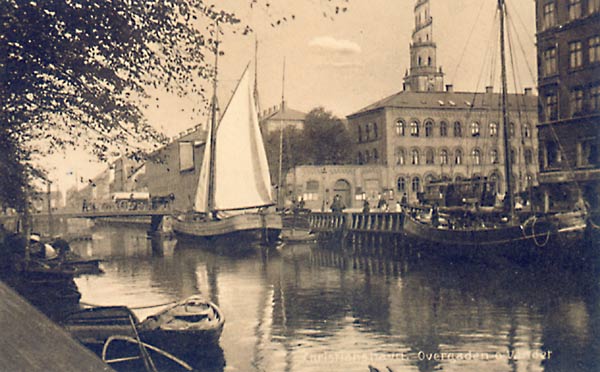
<point>449,88</point>
<point>528,91</point>
<point>489,89</point>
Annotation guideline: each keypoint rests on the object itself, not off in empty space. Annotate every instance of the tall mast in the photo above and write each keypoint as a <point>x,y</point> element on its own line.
<point>213,127</point>
<point>256,100</point>
<point>279,203</point>
<point>508,197</point>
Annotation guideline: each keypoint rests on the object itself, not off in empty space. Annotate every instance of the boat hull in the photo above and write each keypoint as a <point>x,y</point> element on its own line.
<point>254,227</point>
<point>534,241</point>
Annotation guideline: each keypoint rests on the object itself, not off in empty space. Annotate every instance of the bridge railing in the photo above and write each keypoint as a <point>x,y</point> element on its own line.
<point>375,222</point>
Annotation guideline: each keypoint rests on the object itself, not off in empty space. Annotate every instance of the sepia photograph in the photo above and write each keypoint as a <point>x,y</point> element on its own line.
<point>299,186</point>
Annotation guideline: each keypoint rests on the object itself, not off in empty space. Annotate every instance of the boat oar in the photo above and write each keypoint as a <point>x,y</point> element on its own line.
<point>148,363</point>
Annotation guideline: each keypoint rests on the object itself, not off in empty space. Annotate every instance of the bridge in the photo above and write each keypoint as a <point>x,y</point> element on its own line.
<point>156,216</point>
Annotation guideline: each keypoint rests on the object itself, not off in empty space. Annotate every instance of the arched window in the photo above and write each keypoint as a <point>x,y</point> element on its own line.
<point>428,128</point>
<point>400,156</point>
<point>375,131</point>
<point>526,130</point>
<point>429,156</point>
<point>359,133</point>
<point>367,132</point>
<point>375,155</point>
<point>443,129</point>
<point>401,184</point>
<point>458,157</point>
<point>493,129</point>
<point>415,157</point>
<point>494,156</point>
<point>476,155</point>
<point>494,180</point>
<point>419,61</point>
<point>359,159</point>
<point>444,157</point>
<point>511,130</point>
<point>475,129</point>
<point>414,128</point>
<point>428,61</point>
<point>457,129</point>
<point>416,184</point>
<point>400,128</point>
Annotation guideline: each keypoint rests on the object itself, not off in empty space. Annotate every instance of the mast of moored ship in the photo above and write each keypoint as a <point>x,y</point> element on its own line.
<point>508,197</point>
<point>280,170</point>
<point>213,127</point>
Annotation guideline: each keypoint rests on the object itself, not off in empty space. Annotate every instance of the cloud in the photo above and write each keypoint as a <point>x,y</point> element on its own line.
<point>328,43</point>
<point>342,65</point>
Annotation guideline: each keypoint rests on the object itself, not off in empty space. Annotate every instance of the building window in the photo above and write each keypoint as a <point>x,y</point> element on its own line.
<point>444,157</point>
<point>493,129</point>
<point>574,9</point>
<point>457,129</point>
<point>594,49</point>
<point>595,98</point>
<point>375,131</point>
<point>367,157</point>
<point>414,129</point>
<point>312,190</point>
<point>511,130</point>
<point>359,159</point>
<point>415,157</point>
<point>375,155</point>
<point>527,130</point>
<point>458,157</point>
<point>416,184</point>
<point>553,154</point>
<point>401,184</point>
<point>575,55</point>
<point>513,156</point>
<point>367,132</point>
<point>359,133</point>
<point>476,155</point>
<point>587,153</point>
<point>475,129</point>
<point>428,129</point>
<point>400,128</point>
<point>576,101</point>
<point>443,129</point>
<point>494,156</point>
<point>551,110</point>
<point>399,156</point>
<point>550,62</point>
<point>593,6</point>
<point>429,157</point>
<point>528,157</point>
<point>549,16</point>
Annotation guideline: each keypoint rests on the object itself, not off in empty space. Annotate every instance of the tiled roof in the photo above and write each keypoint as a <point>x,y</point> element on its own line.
<point>288,114</point>
<point>450,100</point>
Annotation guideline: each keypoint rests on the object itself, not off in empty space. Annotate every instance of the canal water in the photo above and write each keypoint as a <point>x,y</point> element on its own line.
<point>310,308</point>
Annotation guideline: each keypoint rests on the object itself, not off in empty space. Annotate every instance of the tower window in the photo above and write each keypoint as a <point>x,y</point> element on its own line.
<point>414,129</point>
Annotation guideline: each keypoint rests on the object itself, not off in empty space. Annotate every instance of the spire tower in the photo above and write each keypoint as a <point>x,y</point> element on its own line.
<point>424,75</point>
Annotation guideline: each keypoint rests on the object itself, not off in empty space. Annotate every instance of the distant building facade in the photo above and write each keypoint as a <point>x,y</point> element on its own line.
<point>568,45</point>
<point>429,132</point>
<point>279,117</point>
<point>175,168</point>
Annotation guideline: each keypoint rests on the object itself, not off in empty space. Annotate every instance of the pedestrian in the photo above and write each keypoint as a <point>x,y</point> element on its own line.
<point>398,207</point>
<point>366,206</point>
<point>84,206</point>
<point>404,200</point>
<point>337,206</point>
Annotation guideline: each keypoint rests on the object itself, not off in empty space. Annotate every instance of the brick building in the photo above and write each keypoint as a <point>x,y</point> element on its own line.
<point>568,42</point>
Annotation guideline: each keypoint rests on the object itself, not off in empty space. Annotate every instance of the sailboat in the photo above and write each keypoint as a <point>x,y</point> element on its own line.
<point>504,234</point>
<point>234,190</point>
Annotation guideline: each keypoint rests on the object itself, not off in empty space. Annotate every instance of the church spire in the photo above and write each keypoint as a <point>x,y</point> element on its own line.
<point>424,75</point>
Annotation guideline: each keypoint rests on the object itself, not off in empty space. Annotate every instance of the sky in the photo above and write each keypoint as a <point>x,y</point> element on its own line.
<point>342,63</point>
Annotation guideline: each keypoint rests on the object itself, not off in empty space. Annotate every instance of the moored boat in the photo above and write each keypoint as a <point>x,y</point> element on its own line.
<point>234,194</point>
<point>179,328</point>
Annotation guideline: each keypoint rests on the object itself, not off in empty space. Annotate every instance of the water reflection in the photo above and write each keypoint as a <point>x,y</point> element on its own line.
<point>306,308</point>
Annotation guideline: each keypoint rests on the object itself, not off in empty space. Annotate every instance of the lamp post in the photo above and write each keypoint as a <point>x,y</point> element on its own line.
<point>49,197</point>
<point>325,190</point>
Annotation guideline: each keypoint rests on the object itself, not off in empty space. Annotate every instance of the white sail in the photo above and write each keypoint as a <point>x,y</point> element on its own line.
<point>241,171</point>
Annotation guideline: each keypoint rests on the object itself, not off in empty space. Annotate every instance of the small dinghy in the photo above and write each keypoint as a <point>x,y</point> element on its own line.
<point>186,324</point>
